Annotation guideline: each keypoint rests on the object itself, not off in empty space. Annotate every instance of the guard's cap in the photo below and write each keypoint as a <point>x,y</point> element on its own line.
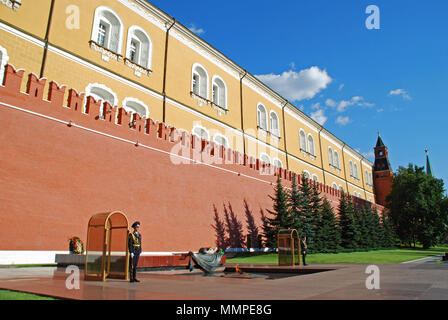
<point>136,224</point>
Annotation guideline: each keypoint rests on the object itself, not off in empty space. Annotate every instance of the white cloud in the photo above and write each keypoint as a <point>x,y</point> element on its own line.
<point>343,121</point>
<point>316,106</point>
<point>331,103</point>
<point>296,86</point>
<point>400,92</point>
<point>369,155</point>
<point>196,30</point>
<point>342,105</point>
<point>341,86</point>
<point>319,116</point>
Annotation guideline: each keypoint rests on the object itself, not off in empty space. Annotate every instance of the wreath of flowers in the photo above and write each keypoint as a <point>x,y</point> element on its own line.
<point>76,245</point>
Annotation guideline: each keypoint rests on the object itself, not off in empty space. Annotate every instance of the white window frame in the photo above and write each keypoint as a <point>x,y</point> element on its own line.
<point>220,136</point>
<point>312,152</point>
<point>303,147</point>
<point>336,162</point>
<point>350,163</point>
<point>307,173</point>
<point>276,162</point>
<point>266,157</point>
<point>101,18</point>
<point>275,132</point>
<point>330,156</point>
<point>260,109</point>
<point>91,86</point>
<point>201,81</point>
<point>315,178</point>
<point>3,63</point>
<point>137,101</point>
<point>132,36</point>
<point>222,104</point>
<point>200,128</point>
<point>334,186</point>
<point>355,170</point>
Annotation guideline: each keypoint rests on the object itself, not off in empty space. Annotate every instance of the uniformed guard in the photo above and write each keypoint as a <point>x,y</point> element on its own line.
<point>135,248</point>
<point>304,249</point>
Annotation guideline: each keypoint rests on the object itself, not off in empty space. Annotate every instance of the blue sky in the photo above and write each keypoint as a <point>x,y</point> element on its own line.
<point>320,56</point>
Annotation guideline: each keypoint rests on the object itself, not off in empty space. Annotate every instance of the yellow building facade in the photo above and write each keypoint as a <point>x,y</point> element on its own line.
<point>134,55</point>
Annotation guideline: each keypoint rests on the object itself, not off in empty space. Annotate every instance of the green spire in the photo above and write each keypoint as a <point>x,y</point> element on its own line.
<point>428,165</point>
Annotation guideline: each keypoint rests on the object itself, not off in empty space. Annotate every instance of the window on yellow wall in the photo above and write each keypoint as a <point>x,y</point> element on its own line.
<point>108,29</point>
<point>262,117</point>
<point>311,149</point>
<point>201,132</point>
<point>302,140</point>
<point>278,163</point>
<point>219,92</point>
<point>200,81</point>
<point>275,128</point>
<point>265,158</point>
<point>221,140</point>
<point>330,156</point>
<point>336,159</point>
<point>139,47</point>
<point>315,178</point>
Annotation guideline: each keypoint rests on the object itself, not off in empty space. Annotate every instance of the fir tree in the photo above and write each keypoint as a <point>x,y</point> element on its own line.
<point>347,225</point>
<point>316,208</point>
<point>388,233</point>
<point>327,236</point>
<point>268,231</point>
<point>305,209</point>
<point>280,219</point>
<point>220,230</point>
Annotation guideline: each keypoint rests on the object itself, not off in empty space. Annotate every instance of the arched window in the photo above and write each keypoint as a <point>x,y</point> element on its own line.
<point>262,117</point>
<point>336,159</point>
<point>136,106</point>
<point>221,140</point>
<point>139,47</point>
<point>3,62</point>
<point>219,92</point>
<point>275,127</point>
<point>306,174</point>
<point>315,178</point>
<point>311,145</point>
<point>278,163</point>
<point>334,186</point>
<point>108,29</point>
<point>330,156</point>
<point>355,170</point>
<point>341,189</point>
<point>100,91</point>
<point>265,158</point>
<point>302,140</point>
<point>201,132</point>
<point>351,168</point>
<point>199,82</point>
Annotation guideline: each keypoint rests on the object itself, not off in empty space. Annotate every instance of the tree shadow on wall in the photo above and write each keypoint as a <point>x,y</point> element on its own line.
<point>229,230</point>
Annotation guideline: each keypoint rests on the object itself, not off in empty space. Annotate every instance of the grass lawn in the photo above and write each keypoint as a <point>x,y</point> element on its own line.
<point>15,295</point>
<point>374,256</point>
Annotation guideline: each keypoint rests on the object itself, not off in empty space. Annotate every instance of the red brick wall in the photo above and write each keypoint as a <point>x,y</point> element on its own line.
<point>56,172</point>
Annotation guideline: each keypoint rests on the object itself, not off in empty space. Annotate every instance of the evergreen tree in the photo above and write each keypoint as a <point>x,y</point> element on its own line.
<point>347,225</point>
<point>269,234</point>
<point>294,205</point>
<point>280,215</point>
<point>220,229</point>
<point>388,234</point>
<point>316,208</point>
<point>362,225</point>
<point>327,235</point>
<point>305,209</point>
